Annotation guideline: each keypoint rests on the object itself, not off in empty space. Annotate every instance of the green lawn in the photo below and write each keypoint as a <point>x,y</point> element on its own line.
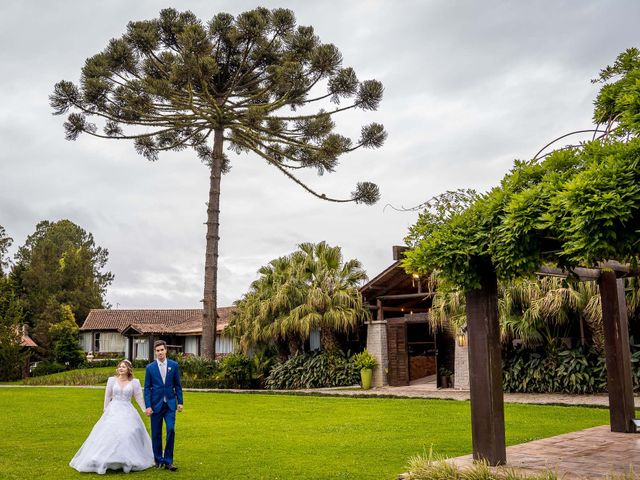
<point>258,436</point>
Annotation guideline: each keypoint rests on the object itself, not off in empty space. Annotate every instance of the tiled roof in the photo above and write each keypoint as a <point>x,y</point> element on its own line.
<point>26,341</point>
<point>176,321</point>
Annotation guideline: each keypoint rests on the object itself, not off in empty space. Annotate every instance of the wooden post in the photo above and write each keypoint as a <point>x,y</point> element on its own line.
<point>485,371</point>
<point>152,352</point>
<point>130,341</point>
<point>617,353</point>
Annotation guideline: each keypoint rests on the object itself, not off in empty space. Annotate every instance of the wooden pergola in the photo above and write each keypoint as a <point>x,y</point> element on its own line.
<point>485,363</point>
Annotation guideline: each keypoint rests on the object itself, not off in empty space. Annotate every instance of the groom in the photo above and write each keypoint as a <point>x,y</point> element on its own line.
<point>162,397</point>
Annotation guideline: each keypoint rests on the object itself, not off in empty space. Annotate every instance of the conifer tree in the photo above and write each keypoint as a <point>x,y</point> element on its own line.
<point>176,82</point>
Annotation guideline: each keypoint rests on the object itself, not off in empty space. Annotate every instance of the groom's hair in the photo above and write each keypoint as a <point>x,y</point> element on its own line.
<point>157,343</point>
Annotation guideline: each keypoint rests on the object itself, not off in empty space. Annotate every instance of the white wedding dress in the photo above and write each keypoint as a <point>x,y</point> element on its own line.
<point>119,440</point>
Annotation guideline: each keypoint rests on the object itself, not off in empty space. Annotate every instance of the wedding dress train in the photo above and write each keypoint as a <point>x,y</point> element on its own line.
<point>119,440</point>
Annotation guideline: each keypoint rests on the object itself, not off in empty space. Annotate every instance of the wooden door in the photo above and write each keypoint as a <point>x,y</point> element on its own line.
<point>398,353</point>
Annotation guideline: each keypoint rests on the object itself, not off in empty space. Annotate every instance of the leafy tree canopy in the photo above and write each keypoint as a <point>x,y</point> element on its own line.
<point>11,320</point>
<point>310,289</point>
<point>180,79</point>
<point>256,82</point>
<point>59,264</point>
<point>5,243</point>
<point>64,334</point>
<point>575,206</point>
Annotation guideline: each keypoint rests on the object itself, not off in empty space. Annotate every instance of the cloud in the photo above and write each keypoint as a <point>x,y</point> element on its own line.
<point>469,87</point>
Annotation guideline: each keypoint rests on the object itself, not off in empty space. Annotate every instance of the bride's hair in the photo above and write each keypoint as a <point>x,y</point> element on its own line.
<point>127,363</point>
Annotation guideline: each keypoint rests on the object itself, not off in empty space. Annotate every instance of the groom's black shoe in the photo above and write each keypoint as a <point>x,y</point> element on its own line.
<point>171,467</point>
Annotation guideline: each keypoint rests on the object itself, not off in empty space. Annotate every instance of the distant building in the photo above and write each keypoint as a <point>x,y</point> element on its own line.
<point>399,334</point>
<point>131,333</point>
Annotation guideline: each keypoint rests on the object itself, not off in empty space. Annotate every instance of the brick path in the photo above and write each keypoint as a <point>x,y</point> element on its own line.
<point>593,453</point>
<point>427,391</point>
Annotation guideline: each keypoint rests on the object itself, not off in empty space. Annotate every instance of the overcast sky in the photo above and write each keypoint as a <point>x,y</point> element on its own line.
<point>469,87</point>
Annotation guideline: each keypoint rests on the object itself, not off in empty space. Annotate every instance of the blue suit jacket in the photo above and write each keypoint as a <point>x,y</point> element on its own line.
<point>155,390</point>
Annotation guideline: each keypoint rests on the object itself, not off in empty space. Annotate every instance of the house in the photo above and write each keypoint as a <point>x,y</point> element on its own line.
<point>27,345</point>
<point>26,341</point>
<point>130,333</point>
<point>399,334</point>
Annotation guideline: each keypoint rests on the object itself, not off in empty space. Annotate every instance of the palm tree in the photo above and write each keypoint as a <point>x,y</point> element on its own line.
<point>537,311</point>
<point>310,289</point>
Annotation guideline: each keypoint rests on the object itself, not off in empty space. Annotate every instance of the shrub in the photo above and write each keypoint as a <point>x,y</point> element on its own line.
<point>108,355</point>
<point>235,368</point>
<point>557,369</point>
<point>112,362</point>
<point>197,367</point>
<point>66,347</point>
<point>73,377</point>
<point>429,467</point>
<point>364,359</point>
<point>261,365</point>
<point>314,370</point>
<point>47,368</point>
<point>98,364</point>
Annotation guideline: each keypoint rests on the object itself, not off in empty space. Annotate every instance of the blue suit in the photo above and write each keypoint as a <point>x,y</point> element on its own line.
<point>163,398</point>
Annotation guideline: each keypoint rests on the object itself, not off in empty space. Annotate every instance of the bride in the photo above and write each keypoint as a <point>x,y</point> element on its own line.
<point>119,440</point>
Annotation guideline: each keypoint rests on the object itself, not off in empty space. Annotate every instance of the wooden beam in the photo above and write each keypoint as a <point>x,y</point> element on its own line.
<point>400,309</point>
<point>584,274</point>
<point>617,353</point>
<point>485,371</point>
<point>591,274</point>
<point>407,296</point>
<point>401,276</point>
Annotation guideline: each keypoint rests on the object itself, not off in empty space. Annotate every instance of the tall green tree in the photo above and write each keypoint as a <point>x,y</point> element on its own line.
<point>5,243</point>
<point>11,320</point>
<point>64,335</point>
<point>176,82</point>
<point>59,264</point>
<point>310,289</point>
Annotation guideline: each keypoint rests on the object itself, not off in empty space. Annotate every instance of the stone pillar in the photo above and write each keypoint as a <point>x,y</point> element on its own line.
<point>377,346</point>
<point>461,369</point>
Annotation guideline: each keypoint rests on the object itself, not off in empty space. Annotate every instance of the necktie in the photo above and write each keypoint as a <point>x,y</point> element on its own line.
<point>163,371</point>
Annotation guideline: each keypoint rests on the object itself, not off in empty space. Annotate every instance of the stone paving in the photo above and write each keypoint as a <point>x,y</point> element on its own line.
<point>429,391</point>
<point>593,453</point>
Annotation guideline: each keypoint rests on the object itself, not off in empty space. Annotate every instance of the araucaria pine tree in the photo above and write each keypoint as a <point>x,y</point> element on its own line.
<point>257,83</point>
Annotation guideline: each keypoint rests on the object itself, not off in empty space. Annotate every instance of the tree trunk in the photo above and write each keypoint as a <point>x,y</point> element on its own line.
<point>295,345</point>
<point>210,311</point>
<point>328,340</point>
